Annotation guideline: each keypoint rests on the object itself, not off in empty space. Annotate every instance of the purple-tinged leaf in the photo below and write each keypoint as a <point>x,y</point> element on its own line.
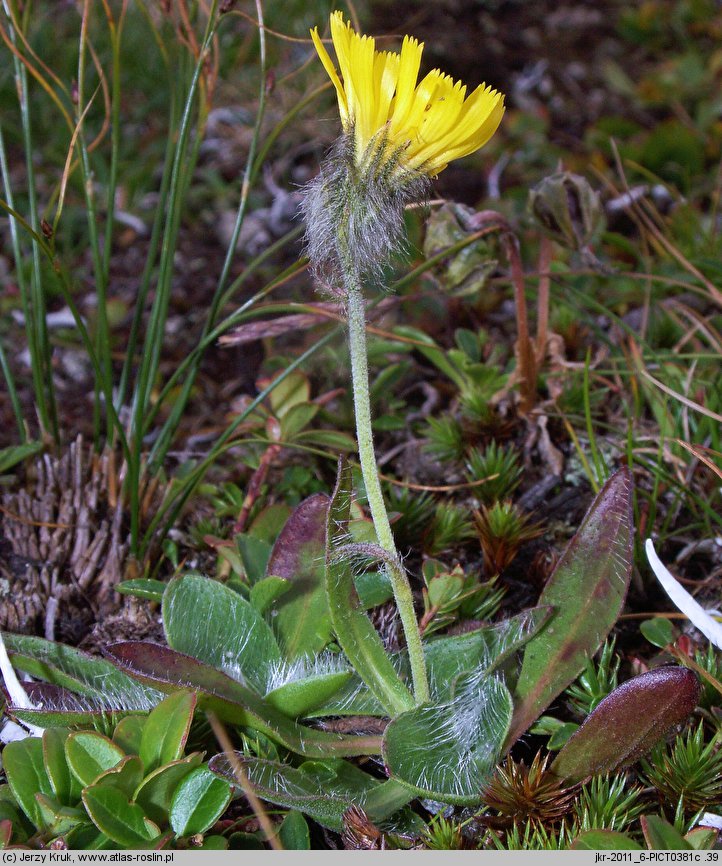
<point>300,616</point>
<point>167,670</point>
<point>628,722</point>
<point>587,591</point>
<point>57,707</point>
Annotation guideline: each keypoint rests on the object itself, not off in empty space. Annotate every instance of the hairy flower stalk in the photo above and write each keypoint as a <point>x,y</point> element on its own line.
<point>398,132</point>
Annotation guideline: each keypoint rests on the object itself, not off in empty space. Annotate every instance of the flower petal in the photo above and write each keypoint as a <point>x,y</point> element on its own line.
<point>332,74</point>
<point>420,126</point>
<point>691,608</point>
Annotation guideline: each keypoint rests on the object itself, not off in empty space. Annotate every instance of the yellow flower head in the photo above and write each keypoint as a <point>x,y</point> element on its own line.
<point>423,124</point>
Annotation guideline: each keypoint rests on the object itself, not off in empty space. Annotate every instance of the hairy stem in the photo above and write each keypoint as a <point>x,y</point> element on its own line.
<point>367,458</point>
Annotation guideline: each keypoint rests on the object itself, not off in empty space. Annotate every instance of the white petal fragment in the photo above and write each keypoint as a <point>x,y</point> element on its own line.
<point>694,612</point>
<point>18,695</point>
<point>709,819</point>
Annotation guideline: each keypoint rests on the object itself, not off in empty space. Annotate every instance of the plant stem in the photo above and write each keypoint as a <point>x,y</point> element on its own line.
<point>367,457</point>
<point>527,367</point>
<point>542,318</point>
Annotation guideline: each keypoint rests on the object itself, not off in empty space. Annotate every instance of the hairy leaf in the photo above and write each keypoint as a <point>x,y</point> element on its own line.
<point>230,700</point>
<point>75,670</point>
<point>207,620</point>
<point>446,751</point>
<point>324,790</point>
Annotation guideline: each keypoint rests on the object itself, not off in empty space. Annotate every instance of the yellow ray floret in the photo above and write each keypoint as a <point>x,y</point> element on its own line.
<point>426,123</point>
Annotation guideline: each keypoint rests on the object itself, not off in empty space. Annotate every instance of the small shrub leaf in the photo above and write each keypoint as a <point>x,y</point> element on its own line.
<point>166,730</point>
<point>199,800</point>
<point>89,754</point>
<point>123,822</point>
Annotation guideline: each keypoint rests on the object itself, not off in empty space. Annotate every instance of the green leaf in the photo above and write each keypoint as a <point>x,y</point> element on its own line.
<point>89,754</point>
<point>334,440</point>
<point>199,801</point>
<point>212,623</point>
<point>122,821</point>
<point>230,700</point>
<point>254,555</point>
<point>324,790</point>
<point>658,631</point>
<point>446,751</point>
<point>293,832</point>
<point>126,775</point>
<point>628,722</point>
<point>266,591</point>
<point>155,793</point>
<point>352,699</point>
<point>58,819</point>
<point>661,836</point>
<point>245,842</point>
<point>300,617</point>
<point>300,697</point>
<point>701,838</point>
<point>143,587</point>
<point>561,736</point>
<point>290,391</point>
<point>87,837</point>
<point>64,784</point>
<point>214,843</point>
<point>166,730</point>
<point>25,770</point>
<point>373,588</point>
<point>296,419</point>
<point>10,812</point>
<point>354,631</point>
<point>487,647</point>
<point>431,351</point>
<point>446,658</point>
<point>586,590</point>
<point>15,454</point>
<point>128,734</point>
<point>604,840</point>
